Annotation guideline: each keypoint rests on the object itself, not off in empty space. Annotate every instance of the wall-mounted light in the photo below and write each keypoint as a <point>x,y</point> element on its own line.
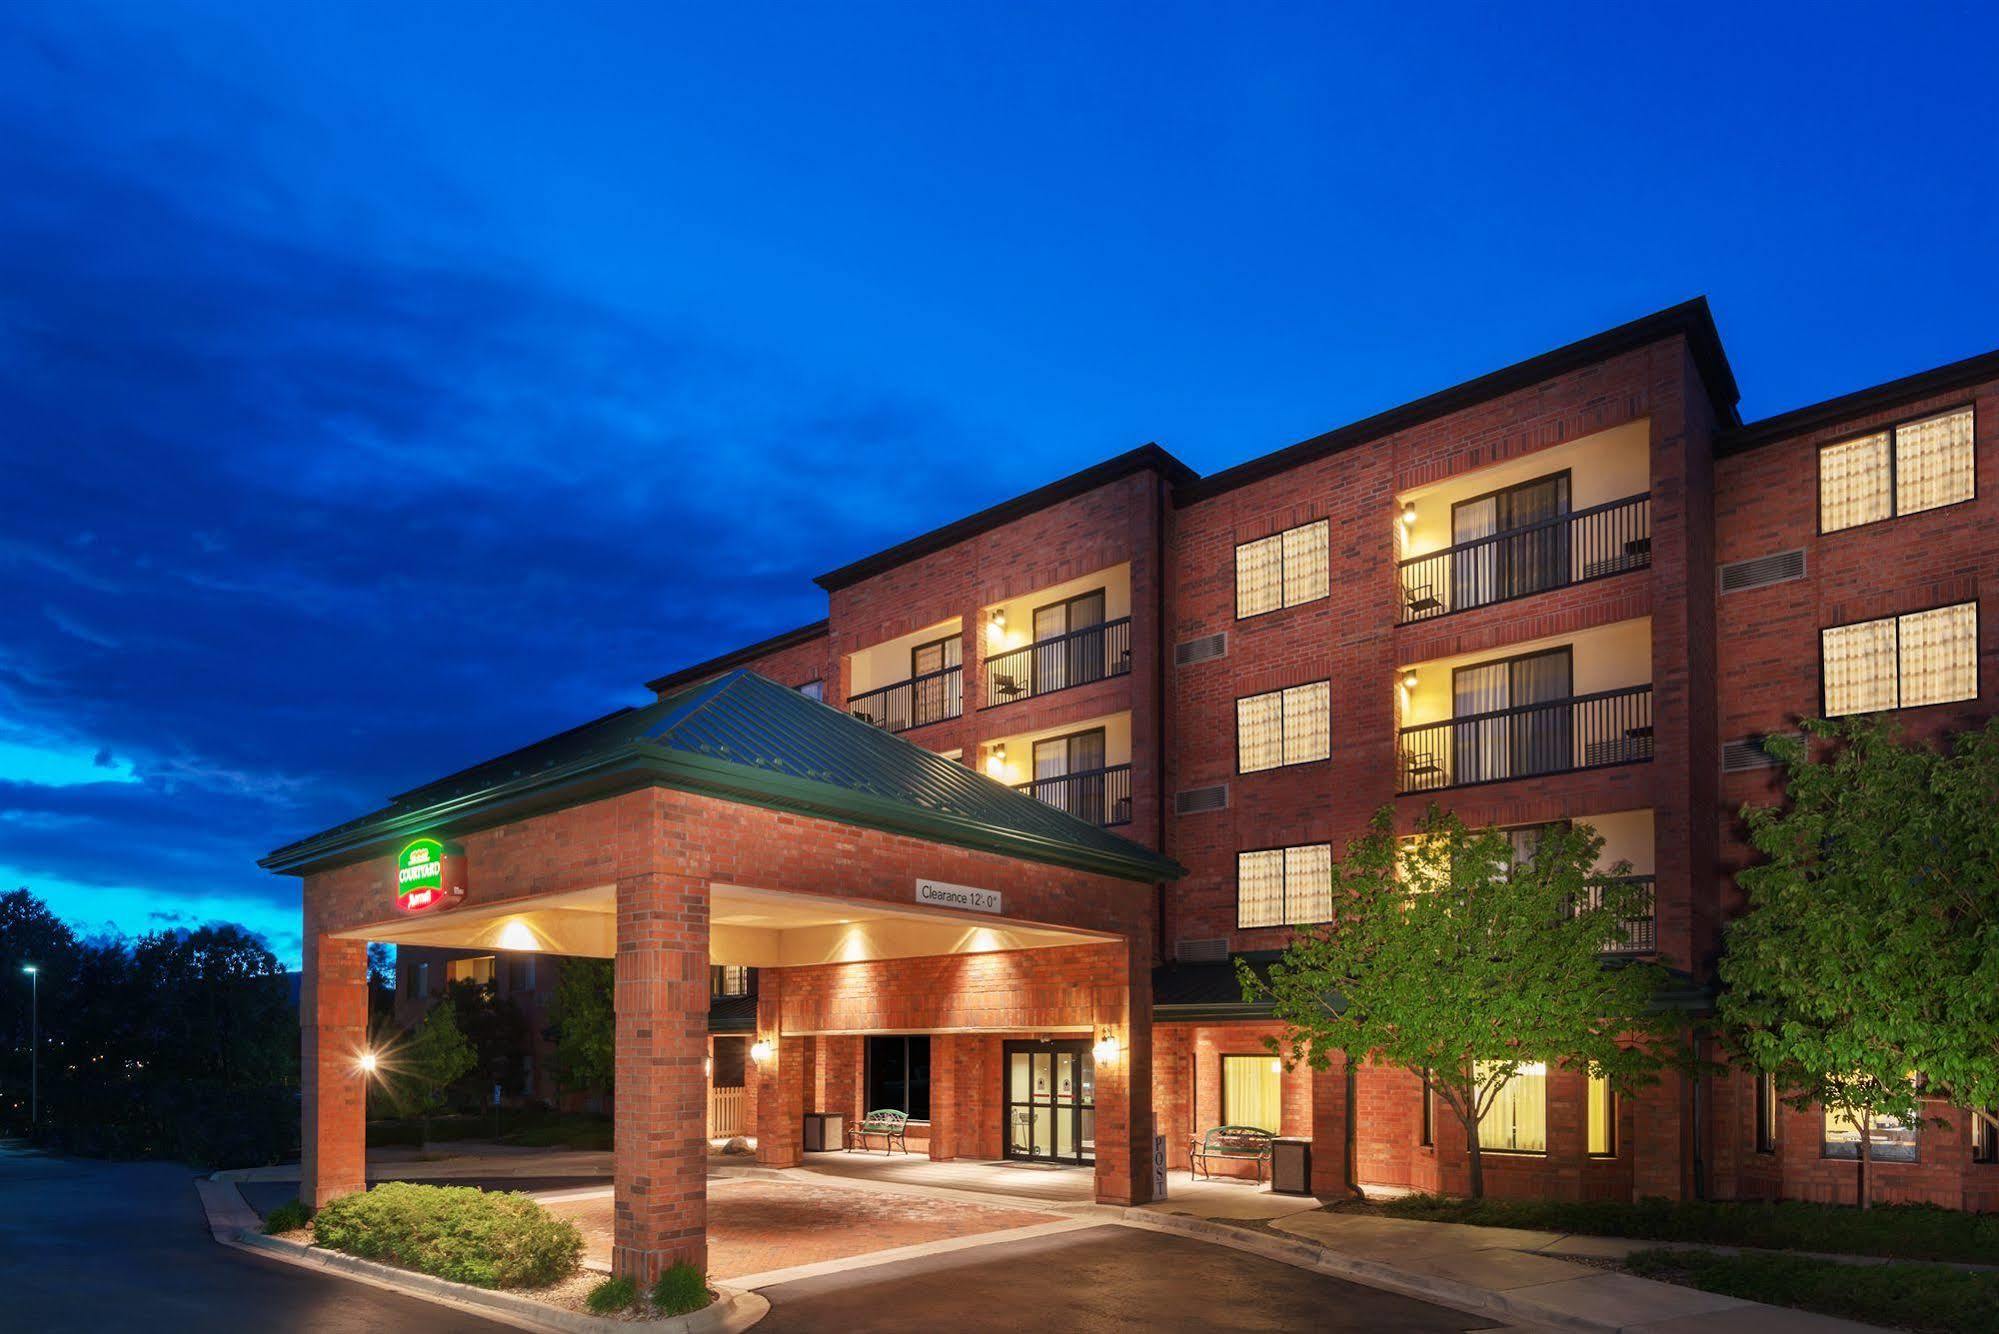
<point>367,1062</point>
<point>1408,514</point>
<point>1409,678</point>
<point>996,760</point>
<point>1106,1049</point>
<point>762,1050</point>
<point>996,622</point>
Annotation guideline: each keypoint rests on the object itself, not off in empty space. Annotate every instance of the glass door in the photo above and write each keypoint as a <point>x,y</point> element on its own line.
<point>1051,1103</point>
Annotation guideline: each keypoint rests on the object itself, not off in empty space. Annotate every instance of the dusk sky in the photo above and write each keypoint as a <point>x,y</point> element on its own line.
<point>386,386</point>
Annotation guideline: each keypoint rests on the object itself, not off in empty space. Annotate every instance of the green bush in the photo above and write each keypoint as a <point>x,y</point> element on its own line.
<point>612,1296</point>
<point>1932,1299</point>
<point>1898,1231</point>
<point>679,1290</point>
<point>287,1217</point>
<point>485,1238</point>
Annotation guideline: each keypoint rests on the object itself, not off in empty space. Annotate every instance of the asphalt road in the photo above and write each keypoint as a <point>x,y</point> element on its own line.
<point>91,1246</point>
<point>1103,1278</point>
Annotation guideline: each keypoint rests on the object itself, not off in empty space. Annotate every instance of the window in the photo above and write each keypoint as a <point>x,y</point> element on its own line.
<point>729,1062</point>
<point>1282,570</point>
<point>1517,1120</point>
<point>1506,545</point>
<point>1284,886</point>
<point>1429,1131</point>
<point>1282,727</point>
<point>1766,1113</point>
<point>1253,1092</point>
<point>478,970</point>
<point>1919,465</point>
<point>1901,662</point>
<point>1891,1140</point>
<point>814,690</point>
<point>1984,1137</point>
<point>729,979</point>
<point>423,979</point>
<point>899,1075</point>
<point>1602,1119</point>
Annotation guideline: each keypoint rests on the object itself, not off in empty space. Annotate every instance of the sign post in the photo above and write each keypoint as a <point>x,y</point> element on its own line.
<point>1158,1168</point>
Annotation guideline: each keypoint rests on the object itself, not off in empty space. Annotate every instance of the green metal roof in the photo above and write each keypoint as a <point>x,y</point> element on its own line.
<point>744,738</point>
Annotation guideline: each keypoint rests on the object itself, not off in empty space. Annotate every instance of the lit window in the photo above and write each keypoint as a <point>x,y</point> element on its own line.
<point>1429,1132</point>
<point>1889,1140</point>
<point>1253,1092</point>
<point>1766,1113</point>
<point>1919,465</point>
<point>1602,1118</point>
<point>729,979</point>
<point>1282,727</point>
<point>478,970</point>
<point>1922,657</point>
<point>1984,1137</point>
<point>1517,1120</point>
<point>813,690</point>
<point>1284,886</point>
<point>1282,570</point>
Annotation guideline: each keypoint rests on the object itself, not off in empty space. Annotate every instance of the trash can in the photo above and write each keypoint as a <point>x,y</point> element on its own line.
<point>1291,1167</point>
<point>825,1131</point>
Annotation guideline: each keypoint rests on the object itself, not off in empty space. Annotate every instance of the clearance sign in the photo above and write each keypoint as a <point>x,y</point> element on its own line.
<point>430,875</point>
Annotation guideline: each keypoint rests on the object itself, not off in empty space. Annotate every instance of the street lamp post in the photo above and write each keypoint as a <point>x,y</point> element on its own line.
<point>34,1046</point>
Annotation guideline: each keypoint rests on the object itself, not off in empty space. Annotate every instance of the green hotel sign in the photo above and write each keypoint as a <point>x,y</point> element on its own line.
<point>430,875</point>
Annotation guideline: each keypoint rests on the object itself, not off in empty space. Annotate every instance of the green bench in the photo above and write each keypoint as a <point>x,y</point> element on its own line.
<point>1230,1144</point>
<point>887,1126</point>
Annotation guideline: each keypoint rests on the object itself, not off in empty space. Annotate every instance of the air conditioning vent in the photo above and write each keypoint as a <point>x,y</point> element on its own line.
<point>1778,567</point>
<point>1201,800</point>
<point>1204,649</point>
<point>1746,754</point>
<point>1214,949</point>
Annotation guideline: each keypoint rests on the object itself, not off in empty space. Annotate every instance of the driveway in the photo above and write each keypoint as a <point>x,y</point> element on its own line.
<point>88,1246</point>
<point>1101,1278</point>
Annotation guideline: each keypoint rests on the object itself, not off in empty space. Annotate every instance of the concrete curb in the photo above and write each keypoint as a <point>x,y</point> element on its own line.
<point>732,1311</point>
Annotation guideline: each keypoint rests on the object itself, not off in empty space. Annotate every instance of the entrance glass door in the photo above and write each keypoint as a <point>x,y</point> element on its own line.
<point>1051,1102</point>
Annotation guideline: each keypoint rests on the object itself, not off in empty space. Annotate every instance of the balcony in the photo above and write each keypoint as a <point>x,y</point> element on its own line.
<point>1551,553</point>
<point>1641,934</point>
<point>1075,658</point>
<point>1581,732</point>
<point>930,698</point>
<point>1100,796</point>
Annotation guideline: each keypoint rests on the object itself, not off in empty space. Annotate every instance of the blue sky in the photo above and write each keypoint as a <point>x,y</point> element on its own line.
<point>384,386</point>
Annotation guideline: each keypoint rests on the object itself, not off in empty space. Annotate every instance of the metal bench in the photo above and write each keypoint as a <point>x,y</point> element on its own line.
<point>888,1126</point>
<point>1231,1144</point>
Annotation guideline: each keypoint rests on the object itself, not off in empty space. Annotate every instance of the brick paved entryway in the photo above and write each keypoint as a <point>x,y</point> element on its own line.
<point>754,1226</point>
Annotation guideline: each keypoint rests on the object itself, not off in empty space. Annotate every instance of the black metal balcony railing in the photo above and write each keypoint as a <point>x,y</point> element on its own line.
<point>1641,934</point>
<point>1552,553</point>
<point>1101,796</point>
<point>929,698</point>
<point>1582,732</point>
<point>1074,659</point>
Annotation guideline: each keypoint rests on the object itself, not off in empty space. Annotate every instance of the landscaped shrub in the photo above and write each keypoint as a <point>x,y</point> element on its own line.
<point>679,1290</point>
<point>1900,1231</point>
<point>486,1238</point>
<point>287,1217</point>
<point>612,1296</point>
<point>1933,1299</point>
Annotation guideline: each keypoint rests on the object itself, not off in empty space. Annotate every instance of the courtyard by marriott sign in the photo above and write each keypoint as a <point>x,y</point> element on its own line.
<point>430,875</point>
<point>937,894</point>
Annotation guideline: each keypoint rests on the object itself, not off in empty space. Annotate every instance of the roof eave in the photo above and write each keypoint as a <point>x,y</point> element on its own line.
<point>777,643</point>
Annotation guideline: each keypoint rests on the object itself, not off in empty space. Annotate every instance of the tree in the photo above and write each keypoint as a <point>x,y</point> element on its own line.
<point>497,1030</point>
<point>30,934</point>
<point>585,1026</point>
<point>1446,958</point>
<point>436,1057</point>
<point>381,984</point>
<point>1864,973</point>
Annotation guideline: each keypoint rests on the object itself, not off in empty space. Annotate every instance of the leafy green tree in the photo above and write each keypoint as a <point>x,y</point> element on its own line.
<point>585,1025</point>
<point>1864,973</point>
<point>1447,959</point>
<point>436,1057</point>
<point>498,1032</point>
<point>381,984</point>
<point>31,934</point>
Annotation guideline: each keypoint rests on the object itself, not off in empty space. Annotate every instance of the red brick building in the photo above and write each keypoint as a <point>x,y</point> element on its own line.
<point>1578,588</point>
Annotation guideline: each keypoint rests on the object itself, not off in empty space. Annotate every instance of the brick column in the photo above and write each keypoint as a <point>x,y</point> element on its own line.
<point>333,1031</point>
<point>947,1090</point>
<point>1329,1126</point>
<point>660,993</point>
<point>1662,1143</point>
<point>1124,1086</point>
<point>781,1076</point>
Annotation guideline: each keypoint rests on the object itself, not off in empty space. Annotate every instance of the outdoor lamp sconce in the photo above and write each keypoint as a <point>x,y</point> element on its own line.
<point>996,622</point>
<point>996,760</point>
<point>367,1062</point>
<point>1408,514</point>
<point>1409,679</point>
<point>762,1050</point>
<point>1106,1049</point>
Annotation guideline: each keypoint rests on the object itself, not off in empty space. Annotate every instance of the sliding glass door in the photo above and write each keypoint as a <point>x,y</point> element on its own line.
<point>1505,736</point>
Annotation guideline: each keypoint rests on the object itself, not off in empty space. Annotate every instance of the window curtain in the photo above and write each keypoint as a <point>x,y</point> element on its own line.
<point>1939,652</point>
<point>1308,884</point>
<point>1260,731</point>
<point>1532,561</point>
<point>1541,741</point>
<point>1517,1121</point>
<point>1253,1092</point>
<point>1854,483</point>
<point>1480,747</point>
<point>1259,571</point>
<point>1600,1140</point>
<point>1259,893</point>
<point>1474,573</point>
<point>1308,722</point>
<point>1933,462</point>
<point>1858,663</point>
<point>1304,563</point>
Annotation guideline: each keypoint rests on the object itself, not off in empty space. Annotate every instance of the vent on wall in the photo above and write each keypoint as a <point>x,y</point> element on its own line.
<point>1760,571</point>
<point>1204,649</point>
<point>1201,800</point>
<point>1213,949</point>
<point>1747,753</point>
